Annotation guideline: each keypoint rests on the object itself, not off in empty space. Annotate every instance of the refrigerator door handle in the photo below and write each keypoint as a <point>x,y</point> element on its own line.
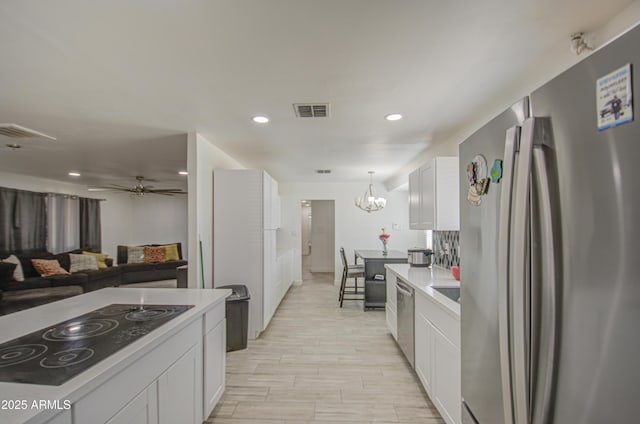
<point>532,133</point>
<point>549,236</point>
<point>504,255</point>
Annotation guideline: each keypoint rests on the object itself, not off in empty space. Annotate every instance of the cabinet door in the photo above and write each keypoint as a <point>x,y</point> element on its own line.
<point>424,351</point>
<point>143,409</point>
<point>214,366</point>
<point>427,196</point>
<point>266,201</point>
<point>275,205</point>
<point>391,309</point>
<point>447,194</point>
<point>414,200</point>
<point>177,390</point>
<point>446,378</point>
<point>62,418</point>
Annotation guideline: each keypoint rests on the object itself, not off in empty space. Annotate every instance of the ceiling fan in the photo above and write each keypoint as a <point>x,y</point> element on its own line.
<point>140,189</point>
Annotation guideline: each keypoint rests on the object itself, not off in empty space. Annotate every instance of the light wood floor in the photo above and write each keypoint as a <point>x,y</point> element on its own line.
<point>317,363</point>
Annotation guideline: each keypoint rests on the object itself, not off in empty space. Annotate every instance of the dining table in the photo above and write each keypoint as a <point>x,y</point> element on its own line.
<point>375,274</point>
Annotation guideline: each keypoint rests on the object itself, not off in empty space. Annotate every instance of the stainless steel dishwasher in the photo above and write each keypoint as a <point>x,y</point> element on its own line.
<point>406,321</point>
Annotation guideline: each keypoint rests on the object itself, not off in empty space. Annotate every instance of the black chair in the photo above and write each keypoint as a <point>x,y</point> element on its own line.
<point>350,271</point>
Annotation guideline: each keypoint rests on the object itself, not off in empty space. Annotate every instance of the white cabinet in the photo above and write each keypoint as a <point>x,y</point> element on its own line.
<point>271,205</point>
<point>391,308</point>
<point>446,377</point>
<point>424,350</point>
<point>143,409</point>
<point>177,390</point>
<point>214,362</point>
<point>437,348</point>
<point>246,214</point>
<point>62,418</point>
<point>434,196</point>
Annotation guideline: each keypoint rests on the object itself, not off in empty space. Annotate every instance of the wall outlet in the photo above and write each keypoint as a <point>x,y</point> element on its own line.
<point>396,227</point>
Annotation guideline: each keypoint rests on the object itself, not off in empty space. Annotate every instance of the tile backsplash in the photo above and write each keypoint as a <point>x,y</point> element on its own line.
<point>446,248</point>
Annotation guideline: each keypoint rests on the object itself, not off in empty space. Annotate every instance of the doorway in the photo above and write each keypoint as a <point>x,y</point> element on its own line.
<point>317,236</point>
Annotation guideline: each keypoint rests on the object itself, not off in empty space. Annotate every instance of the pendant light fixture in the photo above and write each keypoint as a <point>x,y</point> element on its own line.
<point>369,202</point>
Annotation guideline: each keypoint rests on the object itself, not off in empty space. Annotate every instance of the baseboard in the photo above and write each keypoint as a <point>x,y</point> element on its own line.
<point>312,270</point>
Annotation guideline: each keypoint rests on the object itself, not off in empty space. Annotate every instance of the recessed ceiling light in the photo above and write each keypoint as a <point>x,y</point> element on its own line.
<point>183,173</point>
<point>393,117</point>
<point>260,119</point>
<point>74,174</point>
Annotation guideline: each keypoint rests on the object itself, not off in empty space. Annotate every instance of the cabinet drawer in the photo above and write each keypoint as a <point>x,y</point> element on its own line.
<point>214,316</point>
<point>448,324</point>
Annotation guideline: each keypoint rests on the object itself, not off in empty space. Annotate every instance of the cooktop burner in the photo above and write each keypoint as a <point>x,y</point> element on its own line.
<point>53,355</point>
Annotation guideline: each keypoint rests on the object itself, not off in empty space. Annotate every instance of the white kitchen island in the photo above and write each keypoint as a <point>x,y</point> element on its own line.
<point>174,374</point>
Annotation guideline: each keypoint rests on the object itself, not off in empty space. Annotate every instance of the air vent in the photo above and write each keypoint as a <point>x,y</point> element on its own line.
<point>308,110</point>
<point>16,131</point>
<point>323,171</point>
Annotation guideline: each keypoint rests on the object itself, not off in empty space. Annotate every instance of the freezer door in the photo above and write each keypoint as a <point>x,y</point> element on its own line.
<point>598,375</point>
<point>482,389</point>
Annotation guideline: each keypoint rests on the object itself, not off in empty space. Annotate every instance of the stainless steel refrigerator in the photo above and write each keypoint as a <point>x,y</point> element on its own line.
<point>550,251</point>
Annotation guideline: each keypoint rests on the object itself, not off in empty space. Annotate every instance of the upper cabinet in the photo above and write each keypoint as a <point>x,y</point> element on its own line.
<point>433,196</point>
<point>271,205</point>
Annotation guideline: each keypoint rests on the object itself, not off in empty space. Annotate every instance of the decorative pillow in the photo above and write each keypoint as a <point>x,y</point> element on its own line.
<point>171,252</point>
<point>135,254</point>
<point>48,267</point>
<point>154,253</point>
<point>82,263</point>
<point>6,271</point>
<point>18,274</point>
<point>101,258</point>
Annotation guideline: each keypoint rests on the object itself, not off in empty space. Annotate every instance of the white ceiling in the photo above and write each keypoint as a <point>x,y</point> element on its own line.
<point>120,83</point>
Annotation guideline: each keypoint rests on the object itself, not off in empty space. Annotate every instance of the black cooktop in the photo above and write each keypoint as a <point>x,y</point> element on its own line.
<point>53,355</point>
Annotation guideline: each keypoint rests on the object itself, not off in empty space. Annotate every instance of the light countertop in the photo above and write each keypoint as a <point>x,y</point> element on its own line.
<point>24,322</point>
<point>423,279</point>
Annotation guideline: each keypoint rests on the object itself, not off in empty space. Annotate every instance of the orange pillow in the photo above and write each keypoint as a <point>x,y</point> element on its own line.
<point>48,267</point>
<point>154,254</point>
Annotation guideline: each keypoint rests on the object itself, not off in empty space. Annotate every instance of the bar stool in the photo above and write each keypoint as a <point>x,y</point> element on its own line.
<point>350,271</point>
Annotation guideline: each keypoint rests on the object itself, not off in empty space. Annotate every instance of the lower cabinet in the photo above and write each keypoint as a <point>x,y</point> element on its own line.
<point>446,377</point>
<point>214,366</point>
<point>424,350</point>
<point>391,307</point>
<point>143,409</point>
<point>178,390</point>
<point>437,363</point>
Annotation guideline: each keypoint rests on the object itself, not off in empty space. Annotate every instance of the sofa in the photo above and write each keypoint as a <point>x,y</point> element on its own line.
<point>88,280</point>
<point>148,271</point>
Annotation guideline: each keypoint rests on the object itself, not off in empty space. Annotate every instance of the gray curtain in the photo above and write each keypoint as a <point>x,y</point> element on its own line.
<point>23,220</point>
<point>90,233</point>
<point>64,223</point>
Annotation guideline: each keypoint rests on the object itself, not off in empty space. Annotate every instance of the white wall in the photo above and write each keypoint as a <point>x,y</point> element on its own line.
<point>322,236</point>
<point>202,158</point>
<point>354,228</point>
<point>126,219</point>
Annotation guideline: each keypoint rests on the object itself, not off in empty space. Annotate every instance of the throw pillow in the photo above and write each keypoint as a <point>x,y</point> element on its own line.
<point>6,271</point>
<point>18,274</point>
<point>82,263</point>
<point>171,252</point>
<point>135,254</point>
<point>48,267</point>
<point>153,254</point>
<point>101,258</point>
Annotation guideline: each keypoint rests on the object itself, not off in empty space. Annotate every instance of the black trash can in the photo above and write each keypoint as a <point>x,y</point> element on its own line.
<point>237,307</point>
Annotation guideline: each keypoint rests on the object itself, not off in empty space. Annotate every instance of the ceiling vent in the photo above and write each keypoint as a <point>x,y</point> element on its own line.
<point>323,171</point>
<point>311,110</point>
<point>16,131</point>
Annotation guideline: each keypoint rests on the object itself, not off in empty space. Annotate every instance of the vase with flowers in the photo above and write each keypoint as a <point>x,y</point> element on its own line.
<point>384,238</point>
